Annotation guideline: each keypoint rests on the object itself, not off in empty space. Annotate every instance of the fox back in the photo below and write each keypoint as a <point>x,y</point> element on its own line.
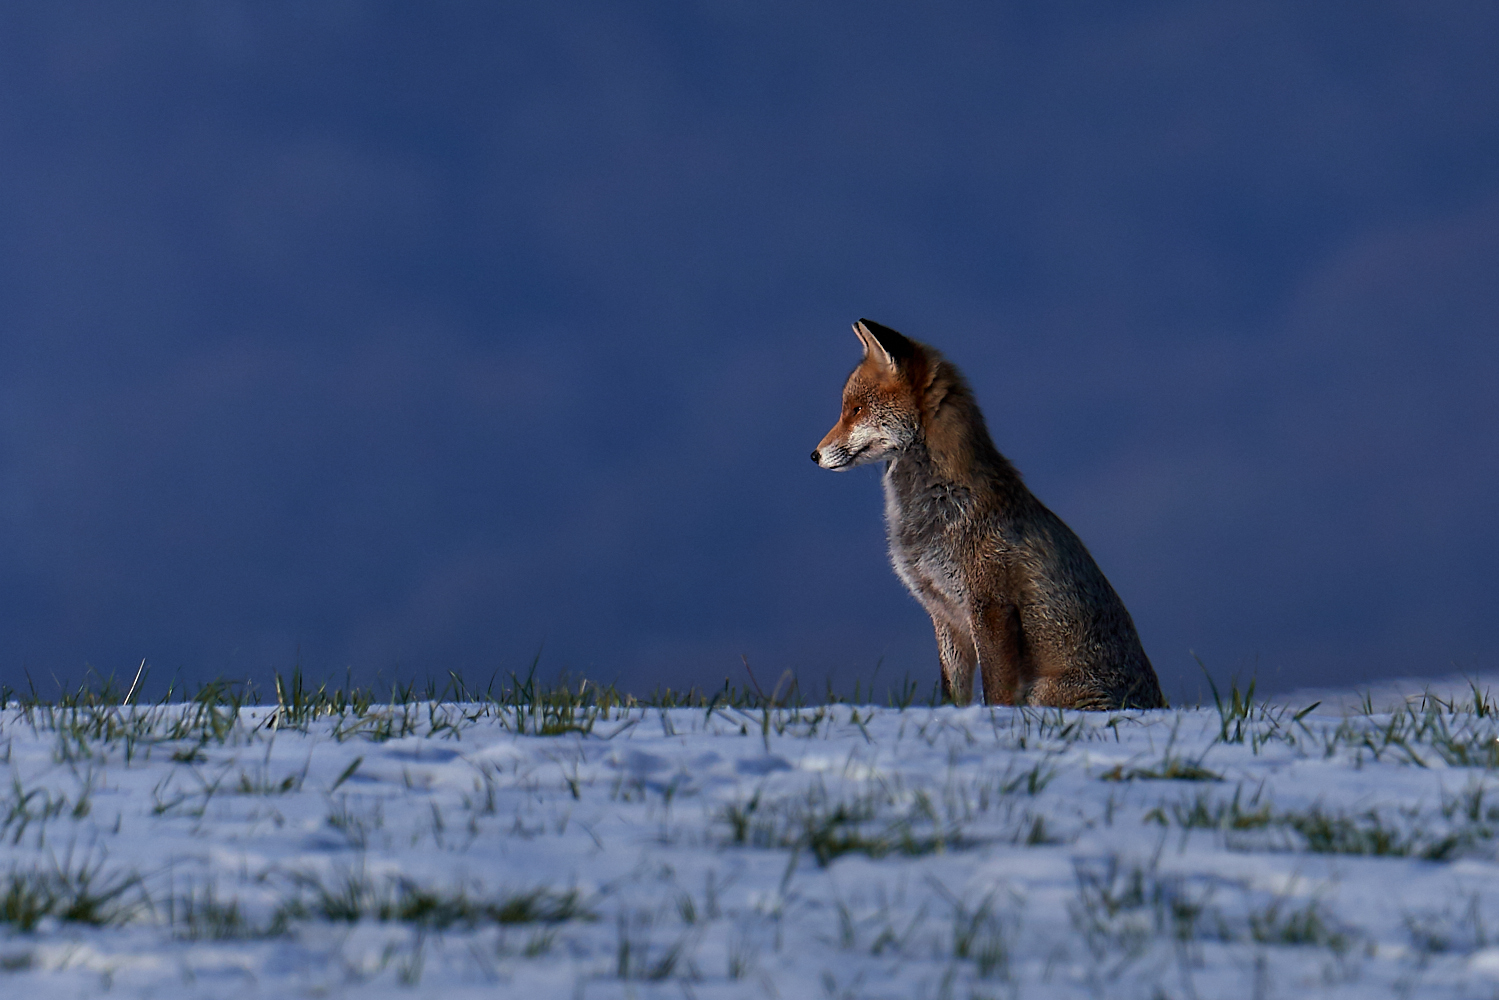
<point>1012,592</point>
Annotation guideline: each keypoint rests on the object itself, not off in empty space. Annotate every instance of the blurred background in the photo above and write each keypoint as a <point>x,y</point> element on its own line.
<point>395,339</point>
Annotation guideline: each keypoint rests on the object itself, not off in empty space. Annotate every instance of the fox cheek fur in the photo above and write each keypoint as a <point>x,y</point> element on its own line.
<point>861,443</point>
<point>1013,594</point>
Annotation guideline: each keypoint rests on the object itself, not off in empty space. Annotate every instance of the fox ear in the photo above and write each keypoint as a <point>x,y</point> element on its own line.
<point>884,343</point>
<point>872,347</point>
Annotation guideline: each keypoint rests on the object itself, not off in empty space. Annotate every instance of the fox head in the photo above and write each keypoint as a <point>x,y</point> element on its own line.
<point>881,400</point>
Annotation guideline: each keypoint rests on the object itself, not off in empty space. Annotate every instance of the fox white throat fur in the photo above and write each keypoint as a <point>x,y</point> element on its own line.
<point>1014,595</point>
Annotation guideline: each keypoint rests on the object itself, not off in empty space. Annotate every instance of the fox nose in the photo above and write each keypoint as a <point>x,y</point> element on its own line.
<point>817,457</point>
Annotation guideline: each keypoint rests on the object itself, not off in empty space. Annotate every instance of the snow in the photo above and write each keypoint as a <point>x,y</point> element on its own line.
<point>832,851</point>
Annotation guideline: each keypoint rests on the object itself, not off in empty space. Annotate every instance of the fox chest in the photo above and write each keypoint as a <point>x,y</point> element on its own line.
<point>925,554</point>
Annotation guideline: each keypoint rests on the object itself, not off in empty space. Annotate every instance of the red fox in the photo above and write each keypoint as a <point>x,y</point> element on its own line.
<point>1011,590</point>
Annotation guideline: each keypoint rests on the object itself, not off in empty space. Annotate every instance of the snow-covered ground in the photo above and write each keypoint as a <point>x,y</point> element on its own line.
<point>445,850</point>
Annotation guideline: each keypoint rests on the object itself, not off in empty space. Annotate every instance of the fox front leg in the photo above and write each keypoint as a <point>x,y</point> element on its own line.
<point>1001,652</point>
<point>955,650</point>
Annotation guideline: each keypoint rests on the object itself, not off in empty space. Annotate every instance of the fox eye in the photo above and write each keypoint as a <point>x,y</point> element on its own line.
<point>855,411</point>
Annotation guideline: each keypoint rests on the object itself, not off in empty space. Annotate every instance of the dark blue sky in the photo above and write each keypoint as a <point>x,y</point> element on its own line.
<point>408,338</point>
